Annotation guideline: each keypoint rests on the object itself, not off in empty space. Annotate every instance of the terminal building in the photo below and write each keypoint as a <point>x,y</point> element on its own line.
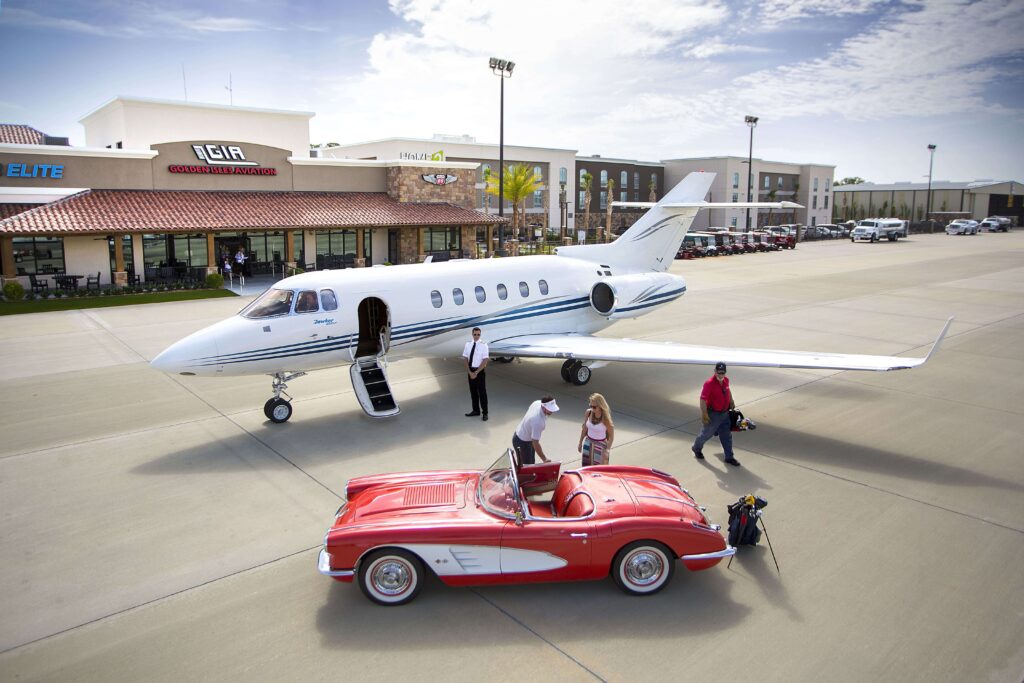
<point>170,189</point>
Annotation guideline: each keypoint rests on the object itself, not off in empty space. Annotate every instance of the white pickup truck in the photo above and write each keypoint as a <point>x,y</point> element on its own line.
<point>874,229</point>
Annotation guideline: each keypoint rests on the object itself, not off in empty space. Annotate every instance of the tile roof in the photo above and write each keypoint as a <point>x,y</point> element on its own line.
<point>133,211</point>
<point>8,210</point>
<point>17,134</point>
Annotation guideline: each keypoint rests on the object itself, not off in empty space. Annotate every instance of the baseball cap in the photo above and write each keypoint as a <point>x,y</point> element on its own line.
<point>719,366</point>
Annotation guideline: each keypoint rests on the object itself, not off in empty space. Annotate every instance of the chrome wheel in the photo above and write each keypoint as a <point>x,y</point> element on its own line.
<point>390,577</point>
<point>643,568</point>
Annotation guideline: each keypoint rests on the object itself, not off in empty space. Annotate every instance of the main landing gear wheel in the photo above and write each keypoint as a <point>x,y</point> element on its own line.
<point>277,410</point>
<point>643,568</point>
<point>580,374</point>
<point>390,577</point>
<point>567,370</point>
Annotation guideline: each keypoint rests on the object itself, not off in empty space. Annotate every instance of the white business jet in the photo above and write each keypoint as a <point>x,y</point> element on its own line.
<point>531,306</point>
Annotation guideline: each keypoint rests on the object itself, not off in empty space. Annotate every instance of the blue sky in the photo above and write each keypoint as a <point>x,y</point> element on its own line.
<point>862,84</point>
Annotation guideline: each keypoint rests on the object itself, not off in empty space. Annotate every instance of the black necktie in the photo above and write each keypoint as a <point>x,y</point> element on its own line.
<point>471,352</point>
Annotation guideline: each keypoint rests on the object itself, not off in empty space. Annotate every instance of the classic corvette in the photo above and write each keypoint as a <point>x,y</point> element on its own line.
<point>498,526</point>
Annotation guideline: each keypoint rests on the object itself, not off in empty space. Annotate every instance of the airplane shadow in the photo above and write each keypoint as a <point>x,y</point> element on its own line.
<point>324,440</point>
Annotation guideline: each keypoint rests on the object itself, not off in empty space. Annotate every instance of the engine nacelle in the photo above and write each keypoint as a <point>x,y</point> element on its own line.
<point>629,296</point>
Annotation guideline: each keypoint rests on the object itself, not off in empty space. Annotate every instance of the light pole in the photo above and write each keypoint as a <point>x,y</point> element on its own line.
<point>928,205</point>
<point>562,206</point>
<point>502,68</point>
<point>752,122</point>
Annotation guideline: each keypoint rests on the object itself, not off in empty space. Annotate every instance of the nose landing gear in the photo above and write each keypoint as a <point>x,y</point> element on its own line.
<point>279,409</point>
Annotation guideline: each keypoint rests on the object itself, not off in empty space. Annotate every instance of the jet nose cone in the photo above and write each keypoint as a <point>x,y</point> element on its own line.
<point>190,356</point>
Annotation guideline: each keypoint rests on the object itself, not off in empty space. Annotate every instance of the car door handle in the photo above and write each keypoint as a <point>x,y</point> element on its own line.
<point>578,535</point>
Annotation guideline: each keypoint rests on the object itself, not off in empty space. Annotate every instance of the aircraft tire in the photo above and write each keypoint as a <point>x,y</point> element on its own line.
<point>567,369</point>
<point>277,410</point>
<point>580,374</point>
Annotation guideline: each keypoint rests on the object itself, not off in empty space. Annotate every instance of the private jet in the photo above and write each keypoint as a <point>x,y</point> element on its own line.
<point>530,306</point>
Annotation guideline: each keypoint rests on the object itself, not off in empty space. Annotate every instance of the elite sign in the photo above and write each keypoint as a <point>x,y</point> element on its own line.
<point>21,170</point>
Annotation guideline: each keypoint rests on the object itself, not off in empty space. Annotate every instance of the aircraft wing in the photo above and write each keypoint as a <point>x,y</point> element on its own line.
<point>586,347</point>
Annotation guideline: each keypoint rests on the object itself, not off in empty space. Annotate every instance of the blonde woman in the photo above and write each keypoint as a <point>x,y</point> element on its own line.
<point>597,433</point>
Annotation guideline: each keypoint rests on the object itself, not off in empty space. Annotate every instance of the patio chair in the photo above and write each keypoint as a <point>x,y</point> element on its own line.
<point>38,286</point>
<point>92,282</point>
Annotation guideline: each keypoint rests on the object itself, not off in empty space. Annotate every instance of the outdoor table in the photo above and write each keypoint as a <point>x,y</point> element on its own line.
<point>67,281</point>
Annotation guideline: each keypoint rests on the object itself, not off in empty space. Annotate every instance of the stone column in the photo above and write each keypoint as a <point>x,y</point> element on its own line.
<point>211,254</point>
<point>360,256</point>
<point>120,274</point>
<point>289,251</point>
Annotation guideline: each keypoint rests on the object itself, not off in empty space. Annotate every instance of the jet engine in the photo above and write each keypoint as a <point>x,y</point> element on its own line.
<point>629,296</point>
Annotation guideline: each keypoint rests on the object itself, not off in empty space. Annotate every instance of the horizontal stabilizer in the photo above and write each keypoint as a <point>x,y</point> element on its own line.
<point>713,205</point>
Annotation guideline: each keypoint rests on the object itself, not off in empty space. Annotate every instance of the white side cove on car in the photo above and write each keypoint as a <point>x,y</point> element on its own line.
<point>528,306</point>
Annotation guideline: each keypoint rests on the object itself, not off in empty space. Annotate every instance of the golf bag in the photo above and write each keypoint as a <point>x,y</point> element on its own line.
<point>743,516</point>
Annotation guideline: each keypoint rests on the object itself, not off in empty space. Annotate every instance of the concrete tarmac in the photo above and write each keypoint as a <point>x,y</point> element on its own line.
<point>157,527</point>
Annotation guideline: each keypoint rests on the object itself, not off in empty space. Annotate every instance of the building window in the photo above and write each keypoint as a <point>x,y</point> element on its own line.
<point>826,201</point>
<point>604,200</point>
<point>636,196</point>
<point>583,172</point>
<point>732,222</point>
<point>583,200</point>
<point>604,178</point>
<point>481,295</point>
<point>435,298</point>
<point>778,185</point>
<point>828,184</point>
<point>563,175</point>
<point>484,172</point>
<point>636,180</point>
<point>735,197</point>
<point>36,255</point>
<point>441,239</point>
<point>815,184</point>
<point>814,221</point>
<point>337,248</point>
<point>654,181</point>
<point>537,171</point>
<point>623,197</point>
<point>524,290</point>
<point>623,180</point>
<point>543,285</point>
<point>502,292</point>
<point>767,182</point>
<point>814,202</point>
<point>735,181</point>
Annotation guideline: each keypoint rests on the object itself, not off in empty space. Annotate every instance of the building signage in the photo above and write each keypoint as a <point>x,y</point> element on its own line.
<point>439,178</point>
<point>20,170</point>
<point>222,160</point>
<point>423,156</point>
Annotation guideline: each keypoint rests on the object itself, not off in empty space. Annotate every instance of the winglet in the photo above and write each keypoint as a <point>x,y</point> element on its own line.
<point>938,340</point>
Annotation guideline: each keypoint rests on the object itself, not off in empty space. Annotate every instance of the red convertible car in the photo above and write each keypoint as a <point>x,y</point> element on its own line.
<point>471,527</point>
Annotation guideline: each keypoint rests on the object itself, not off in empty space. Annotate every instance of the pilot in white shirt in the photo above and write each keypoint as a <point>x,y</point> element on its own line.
<point>475,356</point>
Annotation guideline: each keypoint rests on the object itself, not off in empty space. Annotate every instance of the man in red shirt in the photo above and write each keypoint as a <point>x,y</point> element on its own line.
<point>715,404</point>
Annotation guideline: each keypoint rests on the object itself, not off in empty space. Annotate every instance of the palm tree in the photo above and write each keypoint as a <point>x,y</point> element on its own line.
<point>608,204</point>
<point>771,198</point>
<point>652,195</point>
<point>520,183</point>
<point>586,184</point>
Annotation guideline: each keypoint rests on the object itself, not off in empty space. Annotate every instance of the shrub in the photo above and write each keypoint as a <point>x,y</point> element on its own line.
<point>13,291</point>
<point>214,280</point>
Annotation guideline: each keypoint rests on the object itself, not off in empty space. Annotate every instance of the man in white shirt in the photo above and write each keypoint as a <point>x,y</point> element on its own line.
<point>475,356</point>
<point>526,440</point>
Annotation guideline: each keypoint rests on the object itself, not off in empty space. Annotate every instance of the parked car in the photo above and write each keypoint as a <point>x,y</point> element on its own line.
<point>473,527</point>
<point>874,229</point>
<point>962,226</point>
<point>995,224</point>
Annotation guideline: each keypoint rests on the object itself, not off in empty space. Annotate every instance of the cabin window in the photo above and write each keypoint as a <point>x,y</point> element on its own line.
<point>502,292</point>
<point>435,298</point>
<point>481,295</point>
<point>524,289</point>
<point>272,302</point>
<point>328,300</point>
<point>306,302</point>
<point>543,285</point>
<point>457,296</point>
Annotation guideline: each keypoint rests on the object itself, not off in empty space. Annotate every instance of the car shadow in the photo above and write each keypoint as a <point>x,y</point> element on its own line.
<point>348,621</point>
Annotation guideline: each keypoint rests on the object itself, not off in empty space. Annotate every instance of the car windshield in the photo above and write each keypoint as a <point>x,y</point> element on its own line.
<point>498,490</point>
<point>271,303</point>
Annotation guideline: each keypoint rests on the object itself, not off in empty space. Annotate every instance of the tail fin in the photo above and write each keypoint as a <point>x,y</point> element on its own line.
<point>652,242</point>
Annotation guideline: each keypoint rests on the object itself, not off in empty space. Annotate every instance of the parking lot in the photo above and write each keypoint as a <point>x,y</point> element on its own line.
<point>157,527</point>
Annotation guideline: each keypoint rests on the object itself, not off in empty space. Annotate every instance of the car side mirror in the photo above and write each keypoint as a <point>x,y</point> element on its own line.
<point>519,518</point>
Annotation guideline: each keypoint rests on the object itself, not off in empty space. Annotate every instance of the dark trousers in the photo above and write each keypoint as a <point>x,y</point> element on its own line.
<point>478,392</point>
<point>524,451</point>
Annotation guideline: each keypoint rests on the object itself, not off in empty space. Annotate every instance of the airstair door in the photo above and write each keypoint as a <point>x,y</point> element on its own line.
<point>369,371</point>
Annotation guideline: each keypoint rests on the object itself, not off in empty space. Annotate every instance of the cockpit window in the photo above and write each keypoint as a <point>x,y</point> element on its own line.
<point>328,300</point>
<point>271,303</point>
<point>307,302</point>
